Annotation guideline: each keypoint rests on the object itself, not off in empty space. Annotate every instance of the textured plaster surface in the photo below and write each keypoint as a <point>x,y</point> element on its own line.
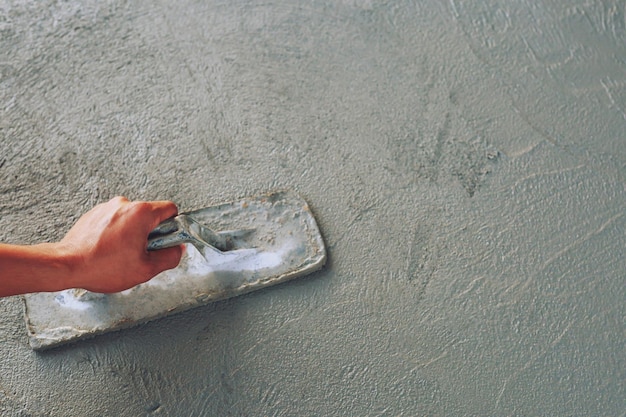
<point>466,163</point>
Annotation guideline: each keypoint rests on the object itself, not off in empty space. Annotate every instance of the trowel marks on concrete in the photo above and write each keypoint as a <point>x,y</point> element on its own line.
<point>458,284</point>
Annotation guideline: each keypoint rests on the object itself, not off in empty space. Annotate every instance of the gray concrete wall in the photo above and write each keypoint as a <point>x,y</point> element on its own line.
<point>466,163</point>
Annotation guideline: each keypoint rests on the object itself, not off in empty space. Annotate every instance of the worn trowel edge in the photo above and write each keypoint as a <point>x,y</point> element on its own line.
<point>55,332</point>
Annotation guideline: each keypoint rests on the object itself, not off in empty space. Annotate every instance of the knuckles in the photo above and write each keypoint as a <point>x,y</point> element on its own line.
<point>148,208</point>
<point>119,200</point>
<point>139,208</point>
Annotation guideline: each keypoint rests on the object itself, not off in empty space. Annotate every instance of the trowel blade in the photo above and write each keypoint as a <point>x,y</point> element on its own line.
<point>286,244</point>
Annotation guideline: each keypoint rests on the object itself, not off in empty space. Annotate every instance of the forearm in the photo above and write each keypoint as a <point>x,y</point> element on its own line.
<point>42,267</point>
<point>105,251</point>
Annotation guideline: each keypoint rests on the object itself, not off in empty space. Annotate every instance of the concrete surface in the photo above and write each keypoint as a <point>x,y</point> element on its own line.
<point>466,162</point>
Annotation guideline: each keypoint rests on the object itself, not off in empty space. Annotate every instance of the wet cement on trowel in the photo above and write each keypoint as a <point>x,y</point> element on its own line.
<point>465,163</point>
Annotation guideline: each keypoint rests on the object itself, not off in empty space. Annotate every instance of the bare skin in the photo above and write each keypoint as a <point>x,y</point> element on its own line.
<point>105,251</point>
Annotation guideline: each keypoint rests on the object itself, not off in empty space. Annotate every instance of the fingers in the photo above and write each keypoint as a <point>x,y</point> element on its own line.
<point>164,209</point>
<point>156,211</point>
<point>161,210</point>
<point>148,214</point>
<point>164,259</point>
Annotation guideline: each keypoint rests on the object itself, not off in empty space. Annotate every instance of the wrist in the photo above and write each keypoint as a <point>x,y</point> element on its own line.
<point>65,264</point>
<point>56,265</point>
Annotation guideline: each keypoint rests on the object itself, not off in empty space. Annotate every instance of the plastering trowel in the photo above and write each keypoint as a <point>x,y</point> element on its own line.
<point>234,248</point>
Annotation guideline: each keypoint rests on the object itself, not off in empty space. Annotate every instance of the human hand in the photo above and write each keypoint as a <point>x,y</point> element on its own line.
<point>107,245</point>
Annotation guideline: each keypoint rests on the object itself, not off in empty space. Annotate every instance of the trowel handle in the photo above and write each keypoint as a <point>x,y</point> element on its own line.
<point>167,234</point>
<point>184,229</point>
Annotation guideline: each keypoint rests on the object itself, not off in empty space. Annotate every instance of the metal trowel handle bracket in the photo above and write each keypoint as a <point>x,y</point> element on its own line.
<point>184,229</point>
<point>171,232</point>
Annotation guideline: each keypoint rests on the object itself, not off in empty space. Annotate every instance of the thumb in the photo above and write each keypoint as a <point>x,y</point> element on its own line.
<point>164,259</point>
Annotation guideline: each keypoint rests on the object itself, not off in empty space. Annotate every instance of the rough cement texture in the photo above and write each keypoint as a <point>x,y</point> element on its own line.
<point>466,162</point>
